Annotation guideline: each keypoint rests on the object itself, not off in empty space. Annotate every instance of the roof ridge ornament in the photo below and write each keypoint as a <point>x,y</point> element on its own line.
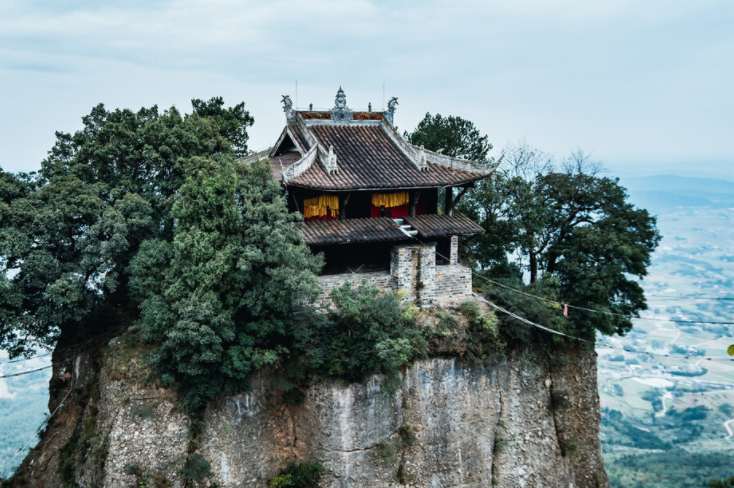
<point>390,113</point>
<point>290,114</point>
<point>331,166</point>
<point>422,160</point>
<point>341,114</point>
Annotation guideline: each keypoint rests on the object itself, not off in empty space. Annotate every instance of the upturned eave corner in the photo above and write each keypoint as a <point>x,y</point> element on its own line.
<point>256,156</point>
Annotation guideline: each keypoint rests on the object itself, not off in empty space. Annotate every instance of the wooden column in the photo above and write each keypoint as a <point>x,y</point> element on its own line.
<point>415,196</point>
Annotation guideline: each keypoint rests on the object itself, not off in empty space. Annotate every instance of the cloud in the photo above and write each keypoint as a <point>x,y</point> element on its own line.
<point>619,77</point>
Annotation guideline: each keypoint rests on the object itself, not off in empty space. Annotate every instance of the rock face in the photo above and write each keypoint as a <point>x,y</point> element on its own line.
<point>517,422</point>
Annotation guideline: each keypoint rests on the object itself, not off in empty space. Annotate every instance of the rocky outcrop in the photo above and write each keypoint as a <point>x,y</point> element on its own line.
<point>525,420</point>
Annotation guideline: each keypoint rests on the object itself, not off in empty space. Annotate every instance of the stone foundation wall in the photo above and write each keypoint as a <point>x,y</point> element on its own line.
<point>453,285</point>
<point>412,269</point>
<point>383,280</point>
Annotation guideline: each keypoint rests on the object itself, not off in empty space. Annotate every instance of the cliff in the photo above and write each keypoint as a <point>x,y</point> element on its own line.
<point>527,419</point>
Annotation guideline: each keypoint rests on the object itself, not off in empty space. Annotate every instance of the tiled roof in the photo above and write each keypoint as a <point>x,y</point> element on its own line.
<point>367,158</point>
<point>352,230</point>
<point>443,225</point>
<point>299,137</point>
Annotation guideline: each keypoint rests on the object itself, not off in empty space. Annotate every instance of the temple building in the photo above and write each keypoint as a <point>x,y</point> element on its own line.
<point>369,200</point>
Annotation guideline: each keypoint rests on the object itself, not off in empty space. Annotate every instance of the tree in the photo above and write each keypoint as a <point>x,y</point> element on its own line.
<point>453,136</point>
<point>70,232</point>
<point>568,227</point>
<point>218,298</point>
<point>233,121</point>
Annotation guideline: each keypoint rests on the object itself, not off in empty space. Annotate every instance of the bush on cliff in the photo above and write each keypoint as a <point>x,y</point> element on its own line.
<point>365,333</point>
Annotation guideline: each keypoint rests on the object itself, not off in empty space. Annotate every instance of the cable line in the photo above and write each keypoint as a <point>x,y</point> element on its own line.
<point>58,350</point>
<point>26,372</point>
<point>44,424</point>
<point>547,300</point>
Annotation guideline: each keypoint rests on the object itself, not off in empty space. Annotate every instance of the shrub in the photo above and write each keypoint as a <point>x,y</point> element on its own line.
<point>298,475</point>
<point>197,468</point>
<point>365,333</point>
<point>482,334</point>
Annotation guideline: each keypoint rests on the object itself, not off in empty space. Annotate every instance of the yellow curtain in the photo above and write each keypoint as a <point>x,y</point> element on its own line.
<point>389,200</point>
<point>320,206</point>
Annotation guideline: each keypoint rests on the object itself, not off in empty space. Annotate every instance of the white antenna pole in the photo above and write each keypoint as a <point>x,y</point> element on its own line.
<point>383,95</point>
<point>296,94</point>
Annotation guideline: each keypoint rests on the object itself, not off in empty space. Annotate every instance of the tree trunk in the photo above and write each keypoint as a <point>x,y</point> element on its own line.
<point>533,267</point>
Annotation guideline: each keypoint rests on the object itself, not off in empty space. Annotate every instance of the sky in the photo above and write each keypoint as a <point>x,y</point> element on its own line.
<point>644,86</point>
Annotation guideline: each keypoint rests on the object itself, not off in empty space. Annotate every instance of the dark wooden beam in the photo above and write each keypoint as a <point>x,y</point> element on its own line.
<point>415,196</point>
<point>343,206</point>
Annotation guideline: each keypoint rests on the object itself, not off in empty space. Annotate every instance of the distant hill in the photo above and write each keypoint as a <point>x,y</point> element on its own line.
<point>665,192</point>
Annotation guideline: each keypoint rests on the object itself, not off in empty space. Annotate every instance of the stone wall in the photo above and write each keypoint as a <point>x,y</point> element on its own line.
<point>412,269</point>
<point>454,285</point>
<point>383,280</point>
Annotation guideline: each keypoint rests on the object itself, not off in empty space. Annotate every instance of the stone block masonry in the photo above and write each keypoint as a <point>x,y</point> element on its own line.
<point>383,280</point>
<point>413,270</point>
<point>454,256</point>
<point>454,285</point>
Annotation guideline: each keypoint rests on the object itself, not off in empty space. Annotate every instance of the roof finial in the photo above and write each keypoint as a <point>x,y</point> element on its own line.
<point>288,108</point>
<point>389,114</point>
<point>341,113</point>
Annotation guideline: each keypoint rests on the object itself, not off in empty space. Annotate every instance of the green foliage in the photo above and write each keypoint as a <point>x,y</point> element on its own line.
<point>569,226</point>
<point>700,372</point>
<point>726,409</point>
<point>70,232</point>
<point>365,333</point>
<point>559,400</point>
<point>671,469</point>
<point>482,338</point>
<point>67,459</point>
<point>639,438</point>
<point>689,414</point>
<point>515,331</point>
<point>654,396</point>
<point>218,297</point>
<point>298,475</point>
<point>386,452</point>
<point>197,468</point>
<point>722,483</point>
<point>455,136</point>
<point>233,121</point>
<point>407,436</point>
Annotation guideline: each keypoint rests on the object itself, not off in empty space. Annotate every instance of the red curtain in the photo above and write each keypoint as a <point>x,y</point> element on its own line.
<point>397,212</point>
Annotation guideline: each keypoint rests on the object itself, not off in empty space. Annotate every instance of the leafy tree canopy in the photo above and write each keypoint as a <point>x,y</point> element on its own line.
<point>453,136</point>
<point>70,231</point>
<point>565,228</point>
<point>218,297</point>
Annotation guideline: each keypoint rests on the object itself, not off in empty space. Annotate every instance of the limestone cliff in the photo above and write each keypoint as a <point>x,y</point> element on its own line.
<point>523,420</point>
